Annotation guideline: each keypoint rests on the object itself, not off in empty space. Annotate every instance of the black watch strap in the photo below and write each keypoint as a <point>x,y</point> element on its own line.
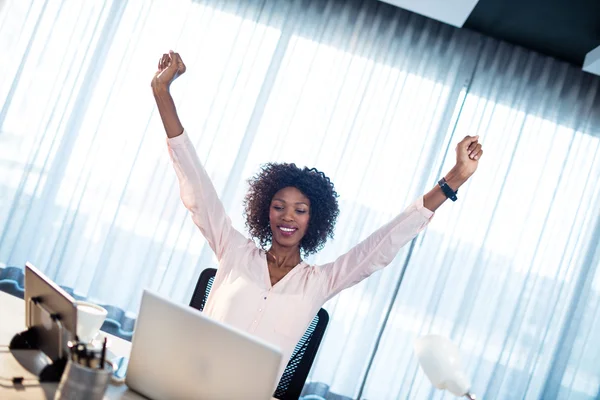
<point>451,194</point>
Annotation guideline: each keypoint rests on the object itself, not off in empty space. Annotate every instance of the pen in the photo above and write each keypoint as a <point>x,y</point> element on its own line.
<point>103,356</point>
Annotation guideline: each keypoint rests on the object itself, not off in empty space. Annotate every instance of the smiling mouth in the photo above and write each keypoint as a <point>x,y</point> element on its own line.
<point>287,231</point>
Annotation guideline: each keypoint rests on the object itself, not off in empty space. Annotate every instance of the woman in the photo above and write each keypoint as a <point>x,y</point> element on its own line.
<point>272,293</point>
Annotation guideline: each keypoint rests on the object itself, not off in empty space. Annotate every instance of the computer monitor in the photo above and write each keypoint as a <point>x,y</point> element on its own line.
<point>50,314</point>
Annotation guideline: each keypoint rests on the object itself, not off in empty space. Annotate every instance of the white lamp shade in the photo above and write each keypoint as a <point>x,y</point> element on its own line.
<point>440,360</point>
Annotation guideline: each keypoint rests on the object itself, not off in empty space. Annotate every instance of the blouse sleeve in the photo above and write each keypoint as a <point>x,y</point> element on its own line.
<point>200,197</point>
<point>376,251</point>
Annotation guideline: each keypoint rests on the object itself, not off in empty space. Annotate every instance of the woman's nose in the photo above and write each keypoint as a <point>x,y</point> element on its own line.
<point>288,216</point>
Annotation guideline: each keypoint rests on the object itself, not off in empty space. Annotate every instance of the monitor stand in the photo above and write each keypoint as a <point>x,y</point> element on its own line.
<point>52,370</point>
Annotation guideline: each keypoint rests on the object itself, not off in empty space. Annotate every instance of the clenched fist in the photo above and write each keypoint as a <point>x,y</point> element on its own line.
<point>468,153</point>
<point>170,67</point>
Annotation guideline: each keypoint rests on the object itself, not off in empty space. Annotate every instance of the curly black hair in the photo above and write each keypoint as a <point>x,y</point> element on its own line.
<point>313,183</point>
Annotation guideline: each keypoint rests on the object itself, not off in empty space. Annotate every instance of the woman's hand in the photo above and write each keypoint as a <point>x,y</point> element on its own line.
<point>468,153</point>
<point>170,67</point>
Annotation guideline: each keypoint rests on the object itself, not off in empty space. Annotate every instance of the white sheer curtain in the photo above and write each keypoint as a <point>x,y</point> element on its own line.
<point>373,96</point>
<point>510,271</point>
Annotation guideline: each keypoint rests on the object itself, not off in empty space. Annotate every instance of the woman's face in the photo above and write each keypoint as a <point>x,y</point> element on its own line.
<point>289,215</point>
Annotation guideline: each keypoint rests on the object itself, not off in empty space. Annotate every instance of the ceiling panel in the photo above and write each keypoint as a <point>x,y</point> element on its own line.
<point>453,12</point>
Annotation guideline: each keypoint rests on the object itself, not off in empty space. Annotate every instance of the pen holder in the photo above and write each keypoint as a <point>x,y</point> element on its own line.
<point>83,383</point>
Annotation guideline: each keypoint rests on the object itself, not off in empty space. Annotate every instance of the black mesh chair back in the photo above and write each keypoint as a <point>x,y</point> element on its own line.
<point>203,288</point>
<point>295,374</point>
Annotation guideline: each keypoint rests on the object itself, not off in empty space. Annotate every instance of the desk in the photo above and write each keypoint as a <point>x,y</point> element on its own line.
<point>12,320</point>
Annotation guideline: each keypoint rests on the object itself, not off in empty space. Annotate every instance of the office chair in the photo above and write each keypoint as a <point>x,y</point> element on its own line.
<point>292,381</point>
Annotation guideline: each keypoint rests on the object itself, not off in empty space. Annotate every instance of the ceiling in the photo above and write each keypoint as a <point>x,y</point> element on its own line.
<point>452,12</point>
<point>564,29</point>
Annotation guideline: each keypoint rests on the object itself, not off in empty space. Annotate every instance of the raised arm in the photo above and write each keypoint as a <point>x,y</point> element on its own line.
<point>380,248</point>
<point>170,67</point>
<point>197,191</point>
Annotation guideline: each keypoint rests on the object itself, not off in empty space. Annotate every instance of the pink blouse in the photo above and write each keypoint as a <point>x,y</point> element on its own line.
<point>242,295</point>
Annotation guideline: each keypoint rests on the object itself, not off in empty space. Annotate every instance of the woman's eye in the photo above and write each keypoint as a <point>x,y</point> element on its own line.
<point>301,211</point>
<point>278,208</point>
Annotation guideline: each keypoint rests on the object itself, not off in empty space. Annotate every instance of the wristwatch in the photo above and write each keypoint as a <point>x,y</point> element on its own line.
<point>451,194</point>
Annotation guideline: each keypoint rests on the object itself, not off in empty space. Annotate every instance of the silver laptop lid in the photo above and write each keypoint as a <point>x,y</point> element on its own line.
<point>178,353</point>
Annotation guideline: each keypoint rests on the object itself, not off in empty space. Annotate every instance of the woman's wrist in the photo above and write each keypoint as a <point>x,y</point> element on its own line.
<point>166,109</point>
<point>456,177</point>
<point>160,89</point>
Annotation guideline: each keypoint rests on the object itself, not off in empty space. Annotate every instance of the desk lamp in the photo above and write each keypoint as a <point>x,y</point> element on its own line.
<point>440,360</point>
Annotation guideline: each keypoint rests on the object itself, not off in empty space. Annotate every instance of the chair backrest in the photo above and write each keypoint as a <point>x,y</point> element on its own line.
<point>295,374</point>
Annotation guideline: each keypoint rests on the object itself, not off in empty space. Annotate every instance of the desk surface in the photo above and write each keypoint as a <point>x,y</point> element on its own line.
<point>12,320</point>
<point>12,317</point>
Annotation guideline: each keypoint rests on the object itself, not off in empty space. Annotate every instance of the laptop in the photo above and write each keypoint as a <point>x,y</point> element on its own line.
<point>178,353</point>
